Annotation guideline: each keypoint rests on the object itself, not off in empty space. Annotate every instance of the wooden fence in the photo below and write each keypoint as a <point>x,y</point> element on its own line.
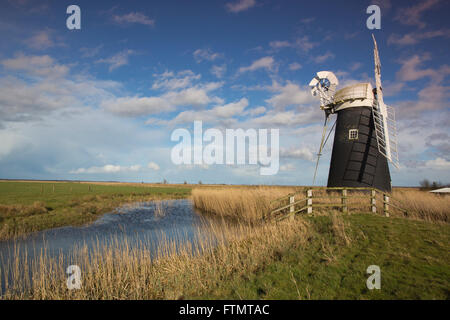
<point>344,199</point>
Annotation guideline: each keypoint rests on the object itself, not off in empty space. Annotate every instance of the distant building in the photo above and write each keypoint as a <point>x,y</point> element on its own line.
<point>441,191</point>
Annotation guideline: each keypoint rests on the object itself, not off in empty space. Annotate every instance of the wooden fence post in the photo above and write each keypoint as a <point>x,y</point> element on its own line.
<point>53,188</point>
<point>373,201</point>
<point>292,207</point>
<point>386,205</point>
<point>344,201</point>
<point>309,202</point>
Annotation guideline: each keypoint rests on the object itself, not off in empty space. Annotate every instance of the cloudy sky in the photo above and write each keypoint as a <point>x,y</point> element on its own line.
<point>101,103</point>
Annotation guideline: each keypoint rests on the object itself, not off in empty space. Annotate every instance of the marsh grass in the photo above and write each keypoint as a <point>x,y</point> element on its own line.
<point>26,207</point>
<point>423,205</point>
<point>252,204</point>
<point>161,208</point>
<point>119,270</point>
<point>238,256</point>
<point>242,204</point>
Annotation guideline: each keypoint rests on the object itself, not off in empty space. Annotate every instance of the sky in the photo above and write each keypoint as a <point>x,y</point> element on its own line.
<point>101,102</point>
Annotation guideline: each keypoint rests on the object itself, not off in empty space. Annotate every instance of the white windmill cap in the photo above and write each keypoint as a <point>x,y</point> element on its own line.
<point>328,75</point>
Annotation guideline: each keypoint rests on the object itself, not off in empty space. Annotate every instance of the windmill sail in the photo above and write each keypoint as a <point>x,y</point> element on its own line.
<point>384,117</point>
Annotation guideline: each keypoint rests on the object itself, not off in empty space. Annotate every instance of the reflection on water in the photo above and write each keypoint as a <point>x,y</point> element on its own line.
<point>138,224</point>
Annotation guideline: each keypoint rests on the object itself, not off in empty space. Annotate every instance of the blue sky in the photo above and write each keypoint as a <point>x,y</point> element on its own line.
<point>101,103</point>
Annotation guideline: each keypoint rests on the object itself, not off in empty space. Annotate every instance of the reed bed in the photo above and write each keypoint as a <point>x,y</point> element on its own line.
<point>245,204</point>
<point>120,270</point>
<point>423,205</point>
<point>252,204</point>
<point>227,248</point>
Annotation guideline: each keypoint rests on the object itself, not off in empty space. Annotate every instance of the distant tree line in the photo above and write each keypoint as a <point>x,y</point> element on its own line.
<point>425,184</point>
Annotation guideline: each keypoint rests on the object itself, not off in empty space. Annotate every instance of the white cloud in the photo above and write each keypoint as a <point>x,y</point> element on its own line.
<point>295,66</point>
<point>206,54</point>
<point>10,142</point>
<point>434,97</point>
<point>216,114</point>
<point>324,57</point>
<point>134,17</point>
<point>305,44</point>
<point>44,86</point>
<point>355,66</point>
<point>171,81</point>
<point>42,40</point>
<point>219,71</point>
<point>291,118</point>
<point>392,88</point>
<point>36,65</point>
<point>118,60</point>
<point>153,166</point>
<point>287,167</point>
<point>279,44</point>
<point>231,109</point>
<point>412,16</point>
<point>263,63</point>
<point>416,37</point>
<point>109,168</point>
<point>290,94</point>
<point>196,96</point>
<point>410,70</point>
<point>297,153</point>
<point>90,52</point>
<point>240,5</point>
<point>256,111</point>
<point>438,163</point>
<point>136,106</point>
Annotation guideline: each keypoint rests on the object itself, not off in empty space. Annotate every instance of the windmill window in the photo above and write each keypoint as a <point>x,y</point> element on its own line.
<point>353,134</point>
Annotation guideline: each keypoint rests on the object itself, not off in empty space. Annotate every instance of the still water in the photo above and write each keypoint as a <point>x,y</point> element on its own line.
<point>142,224</point>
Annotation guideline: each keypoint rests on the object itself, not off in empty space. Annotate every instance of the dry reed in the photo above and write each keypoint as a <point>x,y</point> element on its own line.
<point>243,204</point>
<point>118,270</point>
<point>251,204</point>
<point>423,205</point>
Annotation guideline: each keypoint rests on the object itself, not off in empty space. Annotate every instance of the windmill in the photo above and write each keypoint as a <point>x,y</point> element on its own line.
<point>365,131</point>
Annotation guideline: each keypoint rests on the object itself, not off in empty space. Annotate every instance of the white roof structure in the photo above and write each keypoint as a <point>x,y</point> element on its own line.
<point>442,190</point>
<point>357,95</point>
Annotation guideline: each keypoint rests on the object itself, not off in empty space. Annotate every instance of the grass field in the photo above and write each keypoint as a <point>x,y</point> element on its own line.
<point>34,206</point>
<point>324,256</point>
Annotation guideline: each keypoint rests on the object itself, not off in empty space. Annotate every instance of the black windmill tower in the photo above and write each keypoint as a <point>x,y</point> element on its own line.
<point>365,135</point>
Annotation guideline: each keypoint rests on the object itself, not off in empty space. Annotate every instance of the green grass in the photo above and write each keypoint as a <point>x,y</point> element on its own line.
<point>34,206</point>
<point>413,256</point>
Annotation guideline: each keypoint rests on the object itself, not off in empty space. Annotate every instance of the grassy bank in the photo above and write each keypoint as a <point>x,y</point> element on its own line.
<point>323,257</point>
<point>413,257</point>
<point>34,206</point>
<point>312,257</point>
